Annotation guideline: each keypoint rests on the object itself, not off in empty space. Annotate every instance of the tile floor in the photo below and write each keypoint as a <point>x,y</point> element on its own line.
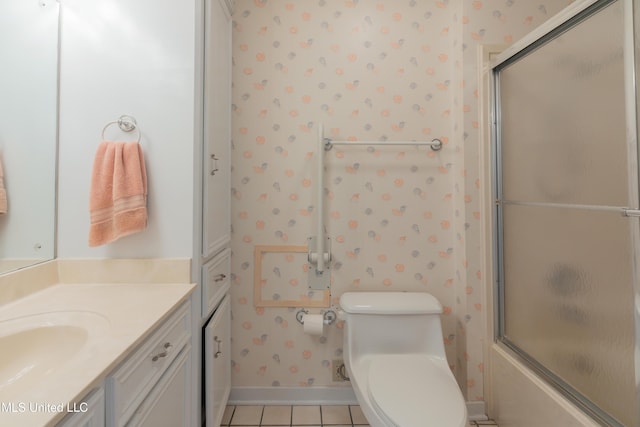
<point>303,416</point>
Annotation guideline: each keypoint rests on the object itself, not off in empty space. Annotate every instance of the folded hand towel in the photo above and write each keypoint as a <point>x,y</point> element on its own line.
<point>118,198</point>
<point>3,192</point>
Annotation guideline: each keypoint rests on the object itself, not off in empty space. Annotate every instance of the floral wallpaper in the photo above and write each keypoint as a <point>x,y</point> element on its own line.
<point>399,218</point>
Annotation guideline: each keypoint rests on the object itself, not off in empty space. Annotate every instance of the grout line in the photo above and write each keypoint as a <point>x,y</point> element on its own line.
<point>233,412</point>
<point>487,423</point>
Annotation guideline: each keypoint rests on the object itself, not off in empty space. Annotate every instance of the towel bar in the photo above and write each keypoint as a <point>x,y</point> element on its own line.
<point>435,144</point>
<point>126,124</point>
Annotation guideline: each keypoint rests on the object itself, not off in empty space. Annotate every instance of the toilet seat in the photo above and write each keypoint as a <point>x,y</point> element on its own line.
<point>413,390</point>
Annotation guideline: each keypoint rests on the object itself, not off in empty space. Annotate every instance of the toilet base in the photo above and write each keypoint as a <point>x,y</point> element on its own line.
<point>407,391</point>
<point>359,382</point>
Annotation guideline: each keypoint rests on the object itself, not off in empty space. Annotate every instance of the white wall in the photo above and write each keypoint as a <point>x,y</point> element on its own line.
<point>136,58</point>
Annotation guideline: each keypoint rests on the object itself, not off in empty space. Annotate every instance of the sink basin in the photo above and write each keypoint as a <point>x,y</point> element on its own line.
<point>38,346</point>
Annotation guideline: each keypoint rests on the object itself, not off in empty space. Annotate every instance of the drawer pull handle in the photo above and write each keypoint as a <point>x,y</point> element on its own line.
<point>159,356</point>
<point>167,347</point>
<point>214,164</point>
<point>220,277</point>
<point>218,353</point>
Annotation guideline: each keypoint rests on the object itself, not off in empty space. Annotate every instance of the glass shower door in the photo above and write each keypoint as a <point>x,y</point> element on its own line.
<point>567,170</point>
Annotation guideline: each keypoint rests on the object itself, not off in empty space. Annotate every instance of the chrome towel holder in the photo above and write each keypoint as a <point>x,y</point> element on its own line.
<point>126,124</point>
<point>328,316</point>
<point>435,144</point>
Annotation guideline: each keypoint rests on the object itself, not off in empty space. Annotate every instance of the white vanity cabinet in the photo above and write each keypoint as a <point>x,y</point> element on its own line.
<point>216,220</point>
<point>152,387</point>
<point>217,349</point>
<point>90,411</point>
<point>214,367</point>
<point>216,211</point>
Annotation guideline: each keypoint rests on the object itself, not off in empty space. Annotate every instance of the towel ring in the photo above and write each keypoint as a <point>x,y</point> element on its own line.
<point>126,124</point>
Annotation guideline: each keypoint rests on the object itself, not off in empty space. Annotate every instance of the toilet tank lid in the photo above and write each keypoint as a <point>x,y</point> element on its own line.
<point>390,303</point>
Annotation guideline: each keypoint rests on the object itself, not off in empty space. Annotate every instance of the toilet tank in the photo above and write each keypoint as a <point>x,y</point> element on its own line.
<point>392,322</point>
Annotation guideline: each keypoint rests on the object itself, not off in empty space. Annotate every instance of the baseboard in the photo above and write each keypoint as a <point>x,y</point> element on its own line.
<point>317,396</point>
<point>476,411</point>
<point>292,396</point>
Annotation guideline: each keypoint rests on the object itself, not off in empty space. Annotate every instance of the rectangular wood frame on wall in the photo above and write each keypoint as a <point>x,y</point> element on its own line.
<point>259,300</point>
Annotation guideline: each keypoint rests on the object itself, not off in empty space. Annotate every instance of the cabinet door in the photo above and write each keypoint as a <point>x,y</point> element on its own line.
<point>216,215</point>
<point>169,403</point>
<point>90,412</point>
<point>131,382</point>
<point>217,342</point>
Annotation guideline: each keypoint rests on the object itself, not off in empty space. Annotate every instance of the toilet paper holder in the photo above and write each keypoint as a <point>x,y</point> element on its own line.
<point>328,316</point>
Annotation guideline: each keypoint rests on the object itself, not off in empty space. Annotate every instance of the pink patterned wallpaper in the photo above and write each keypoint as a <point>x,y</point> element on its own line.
<point>399,218</point>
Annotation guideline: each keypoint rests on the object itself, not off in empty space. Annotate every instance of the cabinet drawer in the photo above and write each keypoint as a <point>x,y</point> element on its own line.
<point>133,380</point>
<point>215,281</point>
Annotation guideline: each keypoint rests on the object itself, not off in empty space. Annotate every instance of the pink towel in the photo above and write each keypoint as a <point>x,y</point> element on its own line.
<point>3,192</point>
<point>118,199</point>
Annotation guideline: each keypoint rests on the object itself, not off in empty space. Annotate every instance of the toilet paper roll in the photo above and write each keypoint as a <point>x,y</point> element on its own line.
<point>313,324</point>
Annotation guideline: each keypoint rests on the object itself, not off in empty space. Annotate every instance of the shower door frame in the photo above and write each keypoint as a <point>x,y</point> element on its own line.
<point>571,16</point>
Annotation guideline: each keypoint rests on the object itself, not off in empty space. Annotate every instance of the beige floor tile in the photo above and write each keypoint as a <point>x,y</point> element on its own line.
<point>246,416</point>
<point>276,415</point>
<point>305,415</point>
<point>336,414</point>
<point>357,416</point>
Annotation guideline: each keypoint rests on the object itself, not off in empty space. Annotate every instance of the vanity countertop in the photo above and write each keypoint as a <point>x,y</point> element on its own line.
<point>112,319</point>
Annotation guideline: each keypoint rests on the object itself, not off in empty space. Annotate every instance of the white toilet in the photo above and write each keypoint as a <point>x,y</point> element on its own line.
<point>394,355</point>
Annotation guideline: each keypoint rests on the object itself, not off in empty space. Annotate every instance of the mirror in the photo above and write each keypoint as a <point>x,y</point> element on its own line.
<point>28,130</point>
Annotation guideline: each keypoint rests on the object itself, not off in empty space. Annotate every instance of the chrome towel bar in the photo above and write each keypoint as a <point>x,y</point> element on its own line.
<point>435,144</point>
<point>126,124</point>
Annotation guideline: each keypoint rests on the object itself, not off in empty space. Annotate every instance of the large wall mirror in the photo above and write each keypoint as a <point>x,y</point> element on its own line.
<point>28,131</point>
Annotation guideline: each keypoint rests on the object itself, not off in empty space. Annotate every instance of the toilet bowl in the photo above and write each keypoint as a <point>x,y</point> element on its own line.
<point>394,355</point>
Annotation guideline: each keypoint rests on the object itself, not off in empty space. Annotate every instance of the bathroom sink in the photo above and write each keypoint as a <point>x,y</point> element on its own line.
<point>38,346</point>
